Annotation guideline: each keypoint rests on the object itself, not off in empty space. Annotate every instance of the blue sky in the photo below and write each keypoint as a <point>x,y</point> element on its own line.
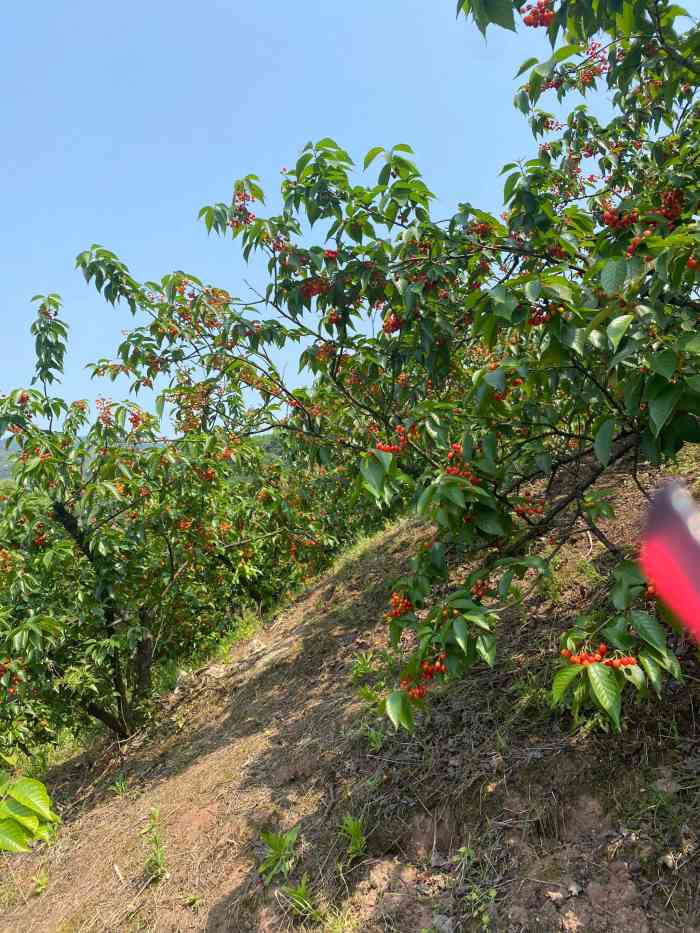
<point>123,120</point>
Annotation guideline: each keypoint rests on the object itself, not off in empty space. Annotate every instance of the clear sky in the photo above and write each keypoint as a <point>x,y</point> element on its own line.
<point>121,121</point>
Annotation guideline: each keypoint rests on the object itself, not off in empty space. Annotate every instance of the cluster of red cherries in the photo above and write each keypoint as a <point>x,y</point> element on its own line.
<point>458,467</point>
<point>540,315</point>
<point>538,14</point>
<point>400,606</point>
<point>428,671</point>
<point>480,589</point>
<point>392,323</point>
<point>13,681</point>
<point>617,221</point>
<point>672,204</point>
<point>530,507</point>
<point>597,657</point>
<point>312,287</point>
<point>395,448</point>
<point>636,240</point>
<point>242,217</point>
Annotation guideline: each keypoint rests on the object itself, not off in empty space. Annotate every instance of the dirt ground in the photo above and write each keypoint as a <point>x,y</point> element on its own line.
<point>493,816</point>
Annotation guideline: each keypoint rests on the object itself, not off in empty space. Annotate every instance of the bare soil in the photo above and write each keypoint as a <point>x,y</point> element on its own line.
<point>493,816</point>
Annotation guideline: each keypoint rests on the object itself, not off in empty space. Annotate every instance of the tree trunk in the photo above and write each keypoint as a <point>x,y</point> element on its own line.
<point>123,705</point>
<point>108,719</point>
<point>143,662</point>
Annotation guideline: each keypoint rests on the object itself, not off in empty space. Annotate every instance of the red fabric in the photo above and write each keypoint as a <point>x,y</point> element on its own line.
<point>671,561</point>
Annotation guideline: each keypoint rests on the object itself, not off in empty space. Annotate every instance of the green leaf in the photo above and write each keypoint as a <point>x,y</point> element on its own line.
<point>617,329</point>
<point>398,709</point>
<point>385,458</point>
<point>522,102</point>
<point>452,492</point>
<point>668,660</point>
<point>32,794</point>
<point>613,275</point>
<point>563,679</point>
<point>607,691</point>
<point>500,12</point>
<point>528,63</point>
<point>372,155</point>
<point>489,521</point>
<point>461,632</point>
<point>566,51</point>
<point>649,629</point>
<point>664,363</point>
<point>616,634</point>
<point>635,675</point>
<point>660,408</point>
<point>496,379</point>
<point>11,810</point>
<point>486,647</point>
<point>629,581</point>
<point>13,837</point>
<point>533,290</point>
<point>426,497</point>
<point>603,441</point>
<point>653,671</point>
<point>373,473</point>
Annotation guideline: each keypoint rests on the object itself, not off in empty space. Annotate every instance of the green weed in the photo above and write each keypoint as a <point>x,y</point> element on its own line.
<point>352,829</point>
<point>279,856</point>
<point>157,860</point>
<point>301,900</point>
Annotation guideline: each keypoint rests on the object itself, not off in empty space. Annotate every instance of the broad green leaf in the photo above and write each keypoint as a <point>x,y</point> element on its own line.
<point>528,63</point>
<point>452,492</point>
<point>635,675</point>
<point>664,363</point>
<point>648,629</point>
<point>566,51</point>
<point>426,497</point>
<point>32,794</point>
<point>496,379</point>
<point>607,691</point>
<point>373,473</point>
<point>480,620</point>
<point>13,837</point>
<point>522,102</point>
<point>372,155</point>
<point>693,345</point>
<point>617,329</point>
<point>486,648</point>
<point>653,671</point>
<point>563,679</point>
<point>660,408</point>
<point>629,581</point>
<point>461,633</point>
<point>385,458</point>
<point>490,522</point>
<point>11,810</point>
<point>603,441</point>
<point>533,290</point>
<point>398,710</point>
<point>613,275</point>
<point>617,635</point>
<point>668,660</point>
<point>500,12</point>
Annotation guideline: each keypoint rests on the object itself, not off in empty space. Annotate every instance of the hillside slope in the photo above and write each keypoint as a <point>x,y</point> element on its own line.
<point>492,816</point>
